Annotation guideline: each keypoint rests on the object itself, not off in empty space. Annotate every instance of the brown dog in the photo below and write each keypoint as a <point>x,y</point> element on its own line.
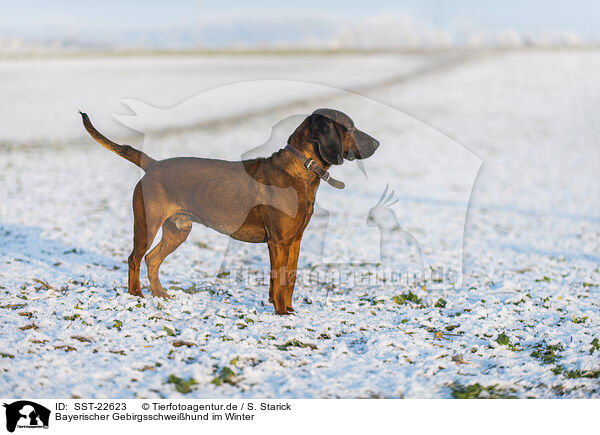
<point>265,200</point>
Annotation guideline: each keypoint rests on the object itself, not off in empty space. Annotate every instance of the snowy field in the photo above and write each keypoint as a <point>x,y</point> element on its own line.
<point>494,160</point>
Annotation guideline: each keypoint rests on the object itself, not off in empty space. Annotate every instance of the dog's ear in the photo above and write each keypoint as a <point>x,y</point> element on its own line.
<point>326,134</point>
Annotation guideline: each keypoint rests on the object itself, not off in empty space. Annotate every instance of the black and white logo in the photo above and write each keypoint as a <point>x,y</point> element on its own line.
<point>26,414</point>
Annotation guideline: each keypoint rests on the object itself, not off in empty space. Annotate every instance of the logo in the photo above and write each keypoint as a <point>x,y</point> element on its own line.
<point>25,414</point>
<point>401,219</point>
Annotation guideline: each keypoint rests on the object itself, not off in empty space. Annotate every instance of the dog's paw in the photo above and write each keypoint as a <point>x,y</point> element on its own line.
<point>161,294</point>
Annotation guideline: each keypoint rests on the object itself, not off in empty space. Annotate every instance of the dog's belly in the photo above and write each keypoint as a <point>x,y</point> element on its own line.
<point>249,231</point>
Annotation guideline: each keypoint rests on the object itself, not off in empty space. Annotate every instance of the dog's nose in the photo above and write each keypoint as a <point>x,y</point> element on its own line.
<point>366,145</point>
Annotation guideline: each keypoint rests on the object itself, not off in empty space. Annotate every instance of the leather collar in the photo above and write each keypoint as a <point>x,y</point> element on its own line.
<point>314,167</point>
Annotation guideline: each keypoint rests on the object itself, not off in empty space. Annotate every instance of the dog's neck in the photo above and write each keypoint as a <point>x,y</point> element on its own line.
<point>313,166</point>
<point>303,150</point>
<point>303,141</point>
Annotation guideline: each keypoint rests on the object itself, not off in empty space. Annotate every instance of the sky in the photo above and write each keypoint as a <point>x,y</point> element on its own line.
<point>60,19</point>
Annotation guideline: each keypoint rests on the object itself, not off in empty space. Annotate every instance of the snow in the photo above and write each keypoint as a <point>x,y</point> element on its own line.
<point>513,136</point>
<point>44,95</point>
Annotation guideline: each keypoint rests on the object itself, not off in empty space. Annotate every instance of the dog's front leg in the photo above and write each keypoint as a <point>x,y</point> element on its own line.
<point>278,255</point>
<point>292,266</point>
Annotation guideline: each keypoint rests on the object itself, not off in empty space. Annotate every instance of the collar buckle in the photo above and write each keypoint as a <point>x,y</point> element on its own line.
<point>310,164</point>
<point>314,167</point>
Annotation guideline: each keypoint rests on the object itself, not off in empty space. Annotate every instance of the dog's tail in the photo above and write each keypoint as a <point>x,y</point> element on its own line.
<point>136,157</point>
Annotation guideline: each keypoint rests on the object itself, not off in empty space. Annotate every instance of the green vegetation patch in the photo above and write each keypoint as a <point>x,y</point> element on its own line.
<point>408,297</point>
<point>184,386</point>
<point>296,343</point>
<point>547,353</point>
<point>118,325</point>
<point>504,340</point>
<point>595,346</point>
<point>170,332</point>
<point>224,376</point>
<point>575,374</point>
<point>579,320</point>
<point>477,391</point>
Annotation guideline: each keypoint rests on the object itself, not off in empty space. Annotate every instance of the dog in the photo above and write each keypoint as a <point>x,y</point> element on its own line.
<point>265,200</point>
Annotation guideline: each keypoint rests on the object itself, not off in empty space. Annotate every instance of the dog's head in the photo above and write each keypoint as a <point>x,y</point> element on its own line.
<point>334,137</point>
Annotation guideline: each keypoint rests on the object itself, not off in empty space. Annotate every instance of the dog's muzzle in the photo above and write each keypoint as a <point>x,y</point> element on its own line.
<point>365,144</point>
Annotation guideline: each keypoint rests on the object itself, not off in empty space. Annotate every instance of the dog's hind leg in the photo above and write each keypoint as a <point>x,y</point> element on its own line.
<point>174,233</point>
<point>145,226</point>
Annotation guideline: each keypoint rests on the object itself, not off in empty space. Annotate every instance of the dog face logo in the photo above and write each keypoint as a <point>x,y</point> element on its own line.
<point>26,414</point>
